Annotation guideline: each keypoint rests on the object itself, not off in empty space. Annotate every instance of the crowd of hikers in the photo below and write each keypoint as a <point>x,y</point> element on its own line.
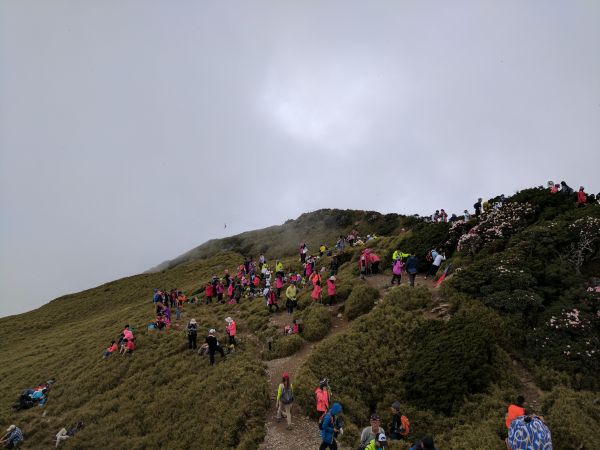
<point>278,287</point>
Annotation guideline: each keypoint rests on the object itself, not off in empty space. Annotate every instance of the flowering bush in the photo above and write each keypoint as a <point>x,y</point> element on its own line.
<point>496,224</point>
<point>587,234</point>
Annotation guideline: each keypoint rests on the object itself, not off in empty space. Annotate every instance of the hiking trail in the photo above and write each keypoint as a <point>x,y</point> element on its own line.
<point>305,431</point>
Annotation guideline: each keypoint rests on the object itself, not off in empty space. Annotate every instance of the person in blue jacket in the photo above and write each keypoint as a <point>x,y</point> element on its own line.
<point>328,427</point>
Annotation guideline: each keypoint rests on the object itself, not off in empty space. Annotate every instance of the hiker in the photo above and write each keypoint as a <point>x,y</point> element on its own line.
<point>334,265</point>
<point>279,269</point>
<point>331,289</point>
<point>127,333</point>
<point>127,347</point>
<point>329,427</point>
<point>303,252</point>
<point>63,434</point>
<point>363,265</point>
<point>213,346</point>
<point>424,444</point>
<point>271,299</point>
<point>411,268</point>
<point>316,292</point>
<point>565,188</point>
<point>466,215</point>
<point>443,216</point>
<point>322,396</point>
<point>12,438</point>
<point>231,331</point>
<point>111,349</point>
<point>515,410</point>
<point>379,441</point>
<point>435,265</point>
<point>435,216</point>
<point>397,267</point>
<point>290,294</point>
<point>208,293</point>
<point>192,334</point>
<point>369,433</point>
<point>477,207</point>
<point>400,426</point>
<point>278,285</point>
<point>581,197</point>
<point>285,399</point>
<point>220,290</point>
<point>374,261</point>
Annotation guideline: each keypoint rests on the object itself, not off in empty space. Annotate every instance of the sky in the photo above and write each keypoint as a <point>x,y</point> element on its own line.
<point>132,130</point>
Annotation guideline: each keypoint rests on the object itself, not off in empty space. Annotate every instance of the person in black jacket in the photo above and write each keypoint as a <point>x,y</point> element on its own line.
<point>213,346</point>
<point>192,332</point>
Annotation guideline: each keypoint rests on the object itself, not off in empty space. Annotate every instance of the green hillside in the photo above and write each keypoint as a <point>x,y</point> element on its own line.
<point>513,316</point>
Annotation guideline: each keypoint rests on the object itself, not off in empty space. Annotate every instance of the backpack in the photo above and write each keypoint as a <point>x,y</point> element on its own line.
<point>287,396</point>
<point>322,418</point>
<point>404,423</point>
<point>397,269</point>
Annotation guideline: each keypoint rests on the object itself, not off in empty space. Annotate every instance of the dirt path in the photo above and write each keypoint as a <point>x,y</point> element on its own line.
<point>304,434</point>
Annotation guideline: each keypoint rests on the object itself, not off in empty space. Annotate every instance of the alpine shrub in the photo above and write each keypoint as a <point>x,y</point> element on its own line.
<point>360,301</point>
<point>317,322</point>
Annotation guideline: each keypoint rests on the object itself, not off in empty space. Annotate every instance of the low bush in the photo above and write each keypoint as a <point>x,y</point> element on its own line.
<point>419,298</point>
<point>285,346</point>
<point>316,322</point>
<point>573,418</point>
<point>449,360</point>
<point>361,300</point>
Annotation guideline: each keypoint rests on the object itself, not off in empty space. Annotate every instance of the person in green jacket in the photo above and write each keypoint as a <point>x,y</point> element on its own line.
<point>285,399</point>
<point>380,441</point>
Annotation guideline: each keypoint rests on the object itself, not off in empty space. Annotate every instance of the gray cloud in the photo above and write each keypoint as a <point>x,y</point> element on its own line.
<point>131,131</point>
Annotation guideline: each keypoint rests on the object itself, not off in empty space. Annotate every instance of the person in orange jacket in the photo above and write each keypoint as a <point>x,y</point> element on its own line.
<point>515,410</point>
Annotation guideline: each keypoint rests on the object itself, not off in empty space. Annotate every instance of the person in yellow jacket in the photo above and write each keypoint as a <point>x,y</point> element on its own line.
<point>290,295</point>
<point>279,269</point>
<point>285,399</point>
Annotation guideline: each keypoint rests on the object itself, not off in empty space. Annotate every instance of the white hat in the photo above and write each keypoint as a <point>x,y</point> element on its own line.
<point>382,438</point>
<point>12,427</point>
<point>212,330</point>
<point>332,278</point>
<point>193,321</point>
<point>228,319</point>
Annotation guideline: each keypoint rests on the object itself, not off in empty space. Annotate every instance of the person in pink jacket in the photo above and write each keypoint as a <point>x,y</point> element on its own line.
<point>231,330</point>
<point>331,290</point>
<point>322,397</point>
<point>316,293</point>
<point>278,285</point>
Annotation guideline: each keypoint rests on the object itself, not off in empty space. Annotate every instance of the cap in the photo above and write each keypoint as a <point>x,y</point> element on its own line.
<point>285,375</point>
<point>228,319</point>
<point>12,427</point>
<point>375,416</point>
<point>381,438</point>
<point>192,321</point>
<point>212,330</point>
<point>332,278</point>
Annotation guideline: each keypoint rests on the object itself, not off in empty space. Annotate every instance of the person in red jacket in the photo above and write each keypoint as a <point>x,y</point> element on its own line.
<point>316,293</point>
<point>515,410</point>
<point>331,290</point>
<point>581,197</point>
<point>208,293</point>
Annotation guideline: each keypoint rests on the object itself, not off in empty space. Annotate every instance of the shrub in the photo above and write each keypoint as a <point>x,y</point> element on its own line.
<point>360,301</point>
<point>573,418</point>
<point>285,346</point>
<point>317,322</point>
<point>449,360</point>
<point>419,298</point>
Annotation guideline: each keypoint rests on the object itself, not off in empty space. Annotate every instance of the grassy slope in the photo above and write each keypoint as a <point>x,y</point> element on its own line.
<point>163,396</point>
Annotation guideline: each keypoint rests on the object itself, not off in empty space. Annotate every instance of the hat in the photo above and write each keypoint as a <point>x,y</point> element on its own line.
<point>12,427</point>
<point>375,416</point>
<point>193,321</point>
<point>396,406</point>
<point>212,330</point>
<point>285,375</point>
<point>228,319</point>
<point>381,438</point>
<point>332,278</point>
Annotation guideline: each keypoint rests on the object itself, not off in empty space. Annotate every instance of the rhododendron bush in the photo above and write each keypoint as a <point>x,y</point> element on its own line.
<point>496,224</point>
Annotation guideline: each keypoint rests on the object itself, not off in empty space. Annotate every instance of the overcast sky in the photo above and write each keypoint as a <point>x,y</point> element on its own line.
<point>131,131</point>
